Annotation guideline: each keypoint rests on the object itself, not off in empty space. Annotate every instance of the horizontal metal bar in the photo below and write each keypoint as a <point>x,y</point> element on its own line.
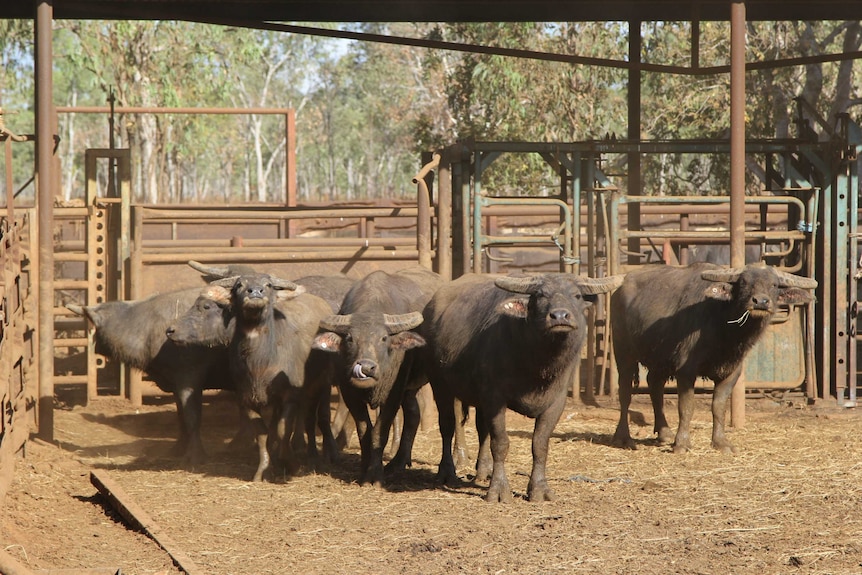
<point>282,243</point>
<point>698,234</point>
<point>71,256</point>
<point>151,213</point>
<point>71,342</point>
<point>180,110</point>
<point>69,379</point>
<point>60,283</point>
<point>240,255</point>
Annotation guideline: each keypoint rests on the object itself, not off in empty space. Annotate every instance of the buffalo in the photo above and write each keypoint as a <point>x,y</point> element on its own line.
<point>689,322</point>
<point>267,325</point>
<point>506,342</point>
<point>375,349</point>
<point>134,332</point>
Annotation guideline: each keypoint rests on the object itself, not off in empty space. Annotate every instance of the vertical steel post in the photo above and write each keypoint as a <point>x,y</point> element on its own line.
<point>45,202</point>
<point>634,134</point>
<point>444,215</point>
<point>737,172</point>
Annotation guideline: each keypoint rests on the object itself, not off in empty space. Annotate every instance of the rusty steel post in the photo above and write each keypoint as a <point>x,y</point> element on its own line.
<point>634,134</point>
<point>45,203</point>
<point>423,209</point>
<point>737,172</point>
<point>444,216</point>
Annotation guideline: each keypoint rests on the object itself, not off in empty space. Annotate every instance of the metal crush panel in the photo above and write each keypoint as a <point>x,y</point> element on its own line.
<point>16,400</point>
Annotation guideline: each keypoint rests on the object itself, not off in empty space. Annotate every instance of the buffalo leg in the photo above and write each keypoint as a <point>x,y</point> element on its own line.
<point>720,395</point>
<point>412,416</point>
<point>484,461</point>
<point>261,440</point>
<point>498,490</point>
<point>446,420</point>
<point>622,435</point>
<point>459,452</point>
<point>685,393</point>
<point>379,438</point>
<point>330,446</point>
<point>538,488</point>
<point>359,412</point>
<point>656,393</point>
<point>189,403</point>
<point>397,428</point>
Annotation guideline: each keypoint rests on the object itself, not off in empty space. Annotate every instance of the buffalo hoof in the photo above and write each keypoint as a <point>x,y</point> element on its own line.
<point>723,446</point>
<point>540,492</point>
<point>448,478</point>
<point>483,471</point>
<point>624,442</point>
<point>499,492</point>
<point>665,436</point>
<point>681,448</point>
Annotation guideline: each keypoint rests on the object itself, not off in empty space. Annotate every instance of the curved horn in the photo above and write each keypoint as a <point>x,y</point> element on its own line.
<point>225,282</point>
<point>76,309</point>
<point>215,271</point>
<point>280,283</point>
<point>526,285</point>
<point>789,280</point>
<point>593,286</point>
<point>402,322</point>
<point>336,323</point>
<point>728,275</point>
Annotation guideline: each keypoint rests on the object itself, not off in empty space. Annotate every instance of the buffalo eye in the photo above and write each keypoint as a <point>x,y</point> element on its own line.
<point>348,338</point>
<point>384,339</point>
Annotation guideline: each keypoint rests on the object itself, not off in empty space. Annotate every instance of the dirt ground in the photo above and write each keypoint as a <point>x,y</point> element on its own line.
<point>789,502</point>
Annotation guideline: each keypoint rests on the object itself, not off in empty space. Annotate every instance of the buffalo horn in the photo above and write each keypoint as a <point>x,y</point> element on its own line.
<point>225,282</point>
<point>279,283</point>
<point>728,275</point>
<point>526,285</point>
<point>214,271</point>
<point>336,323</point>
<point>402,322</point>
<point>74,308</point>
<point>593,286</point>
<point>789,280</point>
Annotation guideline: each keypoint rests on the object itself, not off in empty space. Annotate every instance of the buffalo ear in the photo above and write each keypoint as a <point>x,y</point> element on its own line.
<point>327,341</point>
<point>794,296</point>
<point>721,291</point>
<point>515,307</point>
<point>406,340</point>
<point>218,293</point>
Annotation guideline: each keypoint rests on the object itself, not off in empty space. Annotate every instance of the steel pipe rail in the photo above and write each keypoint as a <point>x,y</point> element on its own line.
<point>245,256</point>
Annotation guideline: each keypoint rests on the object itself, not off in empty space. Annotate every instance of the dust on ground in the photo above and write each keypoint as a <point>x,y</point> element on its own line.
<point>790,501</point>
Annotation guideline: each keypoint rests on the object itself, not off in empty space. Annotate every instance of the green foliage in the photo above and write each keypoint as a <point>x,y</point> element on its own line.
<point>366,110</point>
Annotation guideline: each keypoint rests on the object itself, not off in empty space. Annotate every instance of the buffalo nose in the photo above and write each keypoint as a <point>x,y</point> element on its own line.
<point>559,314</point>
<point>760,302</point>
<point>364,369</point>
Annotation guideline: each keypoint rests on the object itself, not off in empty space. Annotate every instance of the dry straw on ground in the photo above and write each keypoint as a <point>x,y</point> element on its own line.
<point>789,502</point>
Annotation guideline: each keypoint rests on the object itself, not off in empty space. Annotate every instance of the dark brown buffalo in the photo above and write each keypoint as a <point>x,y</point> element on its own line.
<point>133,332</point>
<point>509,342</point>
<point>267,325</point>
<point>690,322</point>
<point>377,362</point>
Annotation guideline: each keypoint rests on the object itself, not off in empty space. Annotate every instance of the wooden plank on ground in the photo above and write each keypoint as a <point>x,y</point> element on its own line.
<point>139,518</point>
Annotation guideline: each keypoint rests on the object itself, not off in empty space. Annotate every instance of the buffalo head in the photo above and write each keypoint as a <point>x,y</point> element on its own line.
<point>757,290</point>
<point>558,300</point>
<point>372,345</point>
